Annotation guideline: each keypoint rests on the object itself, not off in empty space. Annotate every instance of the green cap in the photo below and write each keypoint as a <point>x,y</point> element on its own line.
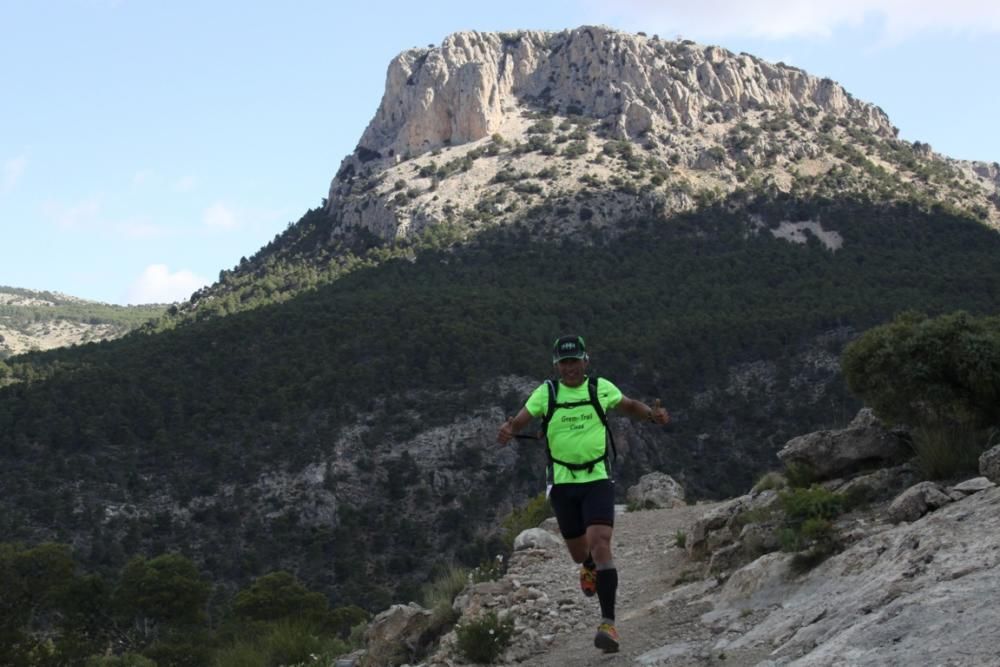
<point>568,347</point>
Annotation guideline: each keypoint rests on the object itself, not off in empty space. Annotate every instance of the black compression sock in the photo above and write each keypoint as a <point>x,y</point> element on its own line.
<point>607,589</point>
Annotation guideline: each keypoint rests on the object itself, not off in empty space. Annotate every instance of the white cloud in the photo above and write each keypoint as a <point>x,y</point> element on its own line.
<point>777,19</point>
<point>220,216</point>
<point>158,285</point>
<point>185,184</point>
<point>12,171</point>
<point>143,176</point>
<point>81,215</point>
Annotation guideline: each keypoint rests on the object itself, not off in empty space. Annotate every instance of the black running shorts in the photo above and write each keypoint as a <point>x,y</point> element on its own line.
<point>580,505</point>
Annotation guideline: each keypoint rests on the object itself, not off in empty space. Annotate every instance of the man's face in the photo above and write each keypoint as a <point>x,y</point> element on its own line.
<point>571,371</point>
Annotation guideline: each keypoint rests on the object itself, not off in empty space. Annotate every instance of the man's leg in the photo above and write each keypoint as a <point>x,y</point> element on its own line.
<point>599,513</point>
<point>599,538</point>
<point>579,551</point>
<point>579,548</point>
<point>566,503</point>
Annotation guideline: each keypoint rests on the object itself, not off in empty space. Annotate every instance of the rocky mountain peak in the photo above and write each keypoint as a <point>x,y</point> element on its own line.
<point>463,90</point>
<point>604,127</point>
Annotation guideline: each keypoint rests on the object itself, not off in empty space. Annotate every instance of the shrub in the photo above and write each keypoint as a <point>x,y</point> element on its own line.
<point>812,503</point>
<point>945,451</point>
<point>489,570</point>
<point>770,480</point>
<point>529,515</point>
<point>484,639</point>
<point>445,588</point>
<point>939,375</point>
<point>439,595</point>
<point>282,643</point>
<point>575,149</point>
<point>680,539</point>
<point>543,126</point>
<point>799,475</point>
<point>809,529</point>
<point>929,371</point>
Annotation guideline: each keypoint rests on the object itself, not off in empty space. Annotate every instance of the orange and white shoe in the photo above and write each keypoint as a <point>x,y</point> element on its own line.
<point>588,581</point>
<point>606,638</point>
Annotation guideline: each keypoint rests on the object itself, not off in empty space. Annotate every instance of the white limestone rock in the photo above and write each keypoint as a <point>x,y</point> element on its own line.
<point>917,501</point>
<point>656,490</point>
<point>831,453</point>
<point>989,464</point>
<point>536,538</point>
<point>974,485</point>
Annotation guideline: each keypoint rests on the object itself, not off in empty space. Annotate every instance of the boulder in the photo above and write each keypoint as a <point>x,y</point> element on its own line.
<point>656,490</point>
<point>395,635</point>
<point>989,464</point>
<point>698,539</point>
<point>917,501</point>
<point>536,538</point>
<point>880,485</point>
<point>551,525</point>
<point>864,443</point>
<point>974,485</point>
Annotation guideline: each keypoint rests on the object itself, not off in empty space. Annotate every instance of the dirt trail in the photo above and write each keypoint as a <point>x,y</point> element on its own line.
<point>659,619</point>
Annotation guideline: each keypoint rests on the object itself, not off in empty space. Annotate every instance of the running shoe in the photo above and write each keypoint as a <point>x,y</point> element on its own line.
<point>606,638</point>
<point>588,581</point>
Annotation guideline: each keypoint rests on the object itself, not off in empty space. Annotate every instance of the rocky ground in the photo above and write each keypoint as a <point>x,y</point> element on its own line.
<point>916,593</point>
<point>659,616</point>
<point>909,578</point>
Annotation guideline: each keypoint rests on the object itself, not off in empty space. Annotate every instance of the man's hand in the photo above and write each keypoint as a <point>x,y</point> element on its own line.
<point>506,431</point>
<point>659,414</point>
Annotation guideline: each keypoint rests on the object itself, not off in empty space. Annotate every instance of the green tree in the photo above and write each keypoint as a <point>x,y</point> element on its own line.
<point>940,376</point>
<point>920,370</point>
<point>167,590</point>
<point>279,595</point>
<point>30,581</point>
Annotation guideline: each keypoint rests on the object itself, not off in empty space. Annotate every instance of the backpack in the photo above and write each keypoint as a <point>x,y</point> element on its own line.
<point>553,387</point>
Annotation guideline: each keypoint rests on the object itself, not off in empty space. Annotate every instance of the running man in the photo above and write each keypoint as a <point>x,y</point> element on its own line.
<point>582,491</point>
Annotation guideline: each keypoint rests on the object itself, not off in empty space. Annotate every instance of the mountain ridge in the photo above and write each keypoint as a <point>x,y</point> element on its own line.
<point>464,141</point>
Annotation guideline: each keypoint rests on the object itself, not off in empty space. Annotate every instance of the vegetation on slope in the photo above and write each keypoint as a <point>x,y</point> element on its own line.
<point>204,410</point>
<point>31,312</point>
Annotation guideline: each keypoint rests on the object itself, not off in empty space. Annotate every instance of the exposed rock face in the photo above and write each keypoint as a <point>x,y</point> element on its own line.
<point>461,91</point>
<point>916,594</point>
<point>702,117</point>
<point>832,453</point>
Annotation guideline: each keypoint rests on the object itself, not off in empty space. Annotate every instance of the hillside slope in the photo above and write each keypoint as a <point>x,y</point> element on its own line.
<point>34,320</point>
<point>574,133</point>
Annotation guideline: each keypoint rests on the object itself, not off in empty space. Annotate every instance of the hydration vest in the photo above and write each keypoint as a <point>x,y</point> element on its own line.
<point>553,387</point>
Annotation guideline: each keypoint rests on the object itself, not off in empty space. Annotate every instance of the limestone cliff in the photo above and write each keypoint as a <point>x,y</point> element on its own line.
<point>464,90</point>
<point>618,125</point>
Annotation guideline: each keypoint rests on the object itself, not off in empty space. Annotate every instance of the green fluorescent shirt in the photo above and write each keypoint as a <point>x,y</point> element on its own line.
<point>576,435</point>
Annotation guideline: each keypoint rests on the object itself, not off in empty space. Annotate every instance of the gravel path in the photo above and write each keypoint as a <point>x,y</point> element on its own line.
<point>659,615</point>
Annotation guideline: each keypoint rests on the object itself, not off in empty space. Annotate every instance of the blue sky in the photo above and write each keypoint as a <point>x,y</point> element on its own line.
<point>145,146</point>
